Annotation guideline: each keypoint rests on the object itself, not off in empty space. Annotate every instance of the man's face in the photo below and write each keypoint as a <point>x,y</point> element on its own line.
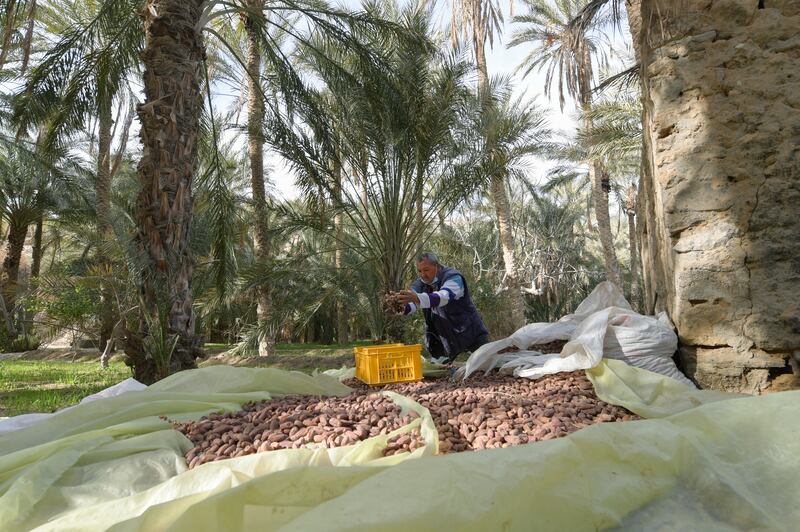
<point>427,270</point>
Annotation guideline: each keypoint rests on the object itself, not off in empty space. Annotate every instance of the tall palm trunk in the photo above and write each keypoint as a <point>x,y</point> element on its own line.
<point>342,332</point>
<point>36,251</point>
<point>17,231</point>
<point>633,8</point>
<point>479,46</point>
<point>600,183</point>
<point>600,189</point>
<point>364,179</point>
<point>502,207</point>
<point>103,208</point>
<point>4,311</point>
<point>255,146</point>
<point>173,59</point>
<point>630,207</point>
<point>36,268</point>
<point>419,214</point>
<point>28,40</point>
<point>8,31</point>
<point>638,298</point>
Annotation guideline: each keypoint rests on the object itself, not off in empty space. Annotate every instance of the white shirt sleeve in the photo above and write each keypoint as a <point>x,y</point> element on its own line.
<point>452,289</point>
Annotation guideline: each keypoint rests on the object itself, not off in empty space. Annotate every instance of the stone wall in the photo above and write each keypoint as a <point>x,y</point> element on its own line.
<point>719,205</point>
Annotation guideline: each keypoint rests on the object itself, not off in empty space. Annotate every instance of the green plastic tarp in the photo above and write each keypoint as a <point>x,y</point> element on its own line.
<point>702,461</point>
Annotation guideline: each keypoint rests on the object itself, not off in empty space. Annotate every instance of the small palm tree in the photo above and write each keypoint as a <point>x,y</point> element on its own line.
<point>32,183</point>
<point>566,53</point>
<point>616,138</point>
<point>507,133</point>
<point>394,136</point>
<point>555,253</point>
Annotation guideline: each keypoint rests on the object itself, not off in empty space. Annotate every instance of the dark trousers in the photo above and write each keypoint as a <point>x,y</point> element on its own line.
<point>436,349</point>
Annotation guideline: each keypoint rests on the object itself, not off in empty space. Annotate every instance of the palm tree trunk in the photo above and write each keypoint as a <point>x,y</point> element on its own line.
<point>17,231</point>
<point>342,333</point>
<point>600,189</point>
<point>502,210</point>
<point>633,243</point>
<point>498,189</point>
<point>173,58</point>
<point>599,180</point>
<point>103,208</point>
<point>36,268</point>
<point>633,9</point>
<point>8,31</point>
<point>419,214</point>
<point>7,321</point>
<point>255,146</point>
<point>26,43</point>
<point>363,170</point>
<point>36,252</point>
<point>479,46</point>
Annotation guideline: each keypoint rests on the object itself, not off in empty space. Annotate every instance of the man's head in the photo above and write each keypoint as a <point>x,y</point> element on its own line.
<point>427,266</point>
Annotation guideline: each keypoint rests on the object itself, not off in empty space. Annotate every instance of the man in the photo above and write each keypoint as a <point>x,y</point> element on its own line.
<point>452,323</point>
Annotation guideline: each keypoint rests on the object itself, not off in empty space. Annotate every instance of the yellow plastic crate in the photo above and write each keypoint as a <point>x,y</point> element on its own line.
<point>382,364</point>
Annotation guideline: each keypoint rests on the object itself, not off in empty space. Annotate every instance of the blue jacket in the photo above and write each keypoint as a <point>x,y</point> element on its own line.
<point>457,324</point>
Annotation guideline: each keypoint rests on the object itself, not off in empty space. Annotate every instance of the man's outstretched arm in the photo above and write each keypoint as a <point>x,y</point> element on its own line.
<point>451,290</point>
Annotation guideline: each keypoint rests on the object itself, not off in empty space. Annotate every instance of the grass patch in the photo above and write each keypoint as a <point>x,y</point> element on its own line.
<point>46,386</point>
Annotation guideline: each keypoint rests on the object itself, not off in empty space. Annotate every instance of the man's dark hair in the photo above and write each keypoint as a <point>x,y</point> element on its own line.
<point>429,256</point>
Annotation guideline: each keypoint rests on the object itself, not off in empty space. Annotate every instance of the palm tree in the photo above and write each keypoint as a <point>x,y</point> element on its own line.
<point>173,60</point>
<point>479,20</point>
<point>32,182</point>
<point>267,28</point>
<point>394,136</point>
<point>255,119</point>
<point>616,139</point>
<point>555,252</point>
<point>508,132</point>
<point>566,53</point>
<point>80,79</point>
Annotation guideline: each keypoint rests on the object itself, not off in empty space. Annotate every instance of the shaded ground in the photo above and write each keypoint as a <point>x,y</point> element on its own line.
<point>293,360</point>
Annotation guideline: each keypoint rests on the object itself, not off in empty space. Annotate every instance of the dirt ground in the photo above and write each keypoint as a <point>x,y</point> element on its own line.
<point>293,360</point>
<point>296,359</point>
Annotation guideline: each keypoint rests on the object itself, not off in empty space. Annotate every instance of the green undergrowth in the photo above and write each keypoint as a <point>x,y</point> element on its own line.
<point>49,385</point>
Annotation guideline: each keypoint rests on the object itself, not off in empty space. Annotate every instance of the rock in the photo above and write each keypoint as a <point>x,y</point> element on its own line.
<point>717,210</point>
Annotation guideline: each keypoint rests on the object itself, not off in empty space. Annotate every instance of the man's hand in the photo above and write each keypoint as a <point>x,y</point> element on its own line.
<point>407,296</point>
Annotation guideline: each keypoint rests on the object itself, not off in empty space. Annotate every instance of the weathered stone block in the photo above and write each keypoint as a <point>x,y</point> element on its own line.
<point>728,369</point>
<point>719,209</point>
